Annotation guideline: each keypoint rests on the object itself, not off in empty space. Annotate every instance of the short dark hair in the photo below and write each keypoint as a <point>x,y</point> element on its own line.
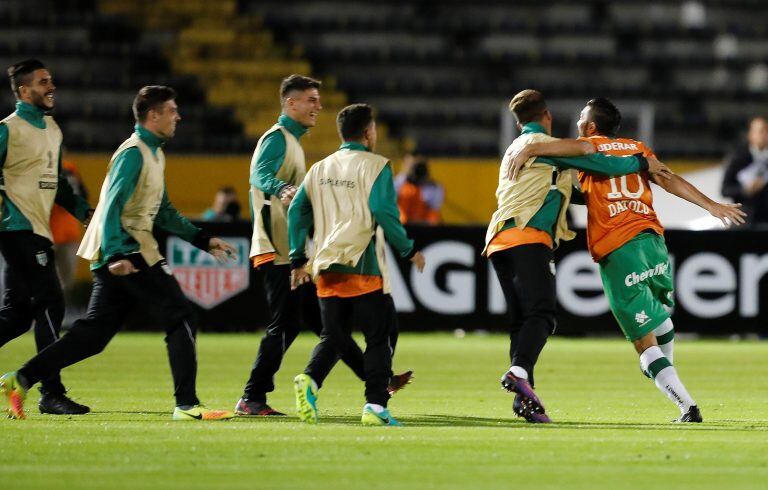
<point>528,106</point>
<point>18,73</point>
<point>297,82</point>
<point>149,98</point>
<point>352,121</point>
<point>605,115</point>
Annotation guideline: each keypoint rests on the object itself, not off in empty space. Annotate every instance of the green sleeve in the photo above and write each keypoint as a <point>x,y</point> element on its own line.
<point>383,204</point>
<point>3,144</point>
<point>300,220</point>
<point>269,159</point>
<point>171,221</point>
<point>599,163</point>
<point>123,177</point>
<point>67,199</point>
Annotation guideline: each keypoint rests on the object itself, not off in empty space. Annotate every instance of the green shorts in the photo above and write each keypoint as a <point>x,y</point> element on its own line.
<point>637,279</point>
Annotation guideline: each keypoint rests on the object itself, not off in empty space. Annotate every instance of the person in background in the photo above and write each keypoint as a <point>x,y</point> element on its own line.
<point>526,227</point>
<point>226,206</point>
<point>129,272</point>
<point>418,197</point>
<point>348,200</point>
<point>746,173</point>
<point>65,228</point>
<point>31,181</point>
<point>277,170</point>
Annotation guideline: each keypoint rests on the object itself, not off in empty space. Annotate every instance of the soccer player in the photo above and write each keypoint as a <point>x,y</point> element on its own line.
<point>31,181</point>
<point>349,199</point>
<point>128,270</point>
<point>528,224</point>
<point>277,169</point>
<point>626,239</point>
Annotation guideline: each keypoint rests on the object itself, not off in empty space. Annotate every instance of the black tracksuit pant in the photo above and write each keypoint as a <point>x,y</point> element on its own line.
<point>528,283</point>
<point>289,310</point>
<point>32,294</point>
<point>373,313</point>
<point>112,299</point>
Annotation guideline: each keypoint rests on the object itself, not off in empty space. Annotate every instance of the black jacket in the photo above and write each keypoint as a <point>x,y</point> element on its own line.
<point>756,206</point>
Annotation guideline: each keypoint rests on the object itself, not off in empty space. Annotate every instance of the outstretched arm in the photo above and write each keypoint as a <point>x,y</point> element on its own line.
<point>171,221</point>
<point>581,155</point>
<point>565,147</point>
<point>726,212</point>
<point>554,148</point>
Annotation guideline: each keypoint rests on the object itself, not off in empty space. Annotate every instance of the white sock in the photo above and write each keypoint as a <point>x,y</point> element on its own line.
<point>376,407</point>
<point>665,335</point>
<point>669,383</point>
<point>519,372</point>
<point>665,377</point>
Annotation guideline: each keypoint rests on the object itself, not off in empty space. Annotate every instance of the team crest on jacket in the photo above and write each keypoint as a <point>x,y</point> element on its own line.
<point>205,281</point>
<point>42,258</point>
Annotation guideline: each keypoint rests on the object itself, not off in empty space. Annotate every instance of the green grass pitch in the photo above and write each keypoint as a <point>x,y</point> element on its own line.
<point>611,425</point>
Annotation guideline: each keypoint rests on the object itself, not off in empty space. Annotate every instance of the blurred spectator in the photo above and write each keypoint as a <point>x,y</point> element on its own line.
<point>418,197</point>
<point>693,15</point>
<point>726,46</point>
<point>756,78</point>
<point>65,228</point>
<point>746,173</point>
<point>226,207</point>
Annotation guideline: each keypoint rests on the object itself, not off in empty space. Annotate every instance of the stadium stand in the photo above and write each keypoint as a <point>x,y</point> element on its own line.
<point>224,65</point>
<point>439,74</point>
<point>99,61</point>
<point>440,71</point>
<point>232,57</point>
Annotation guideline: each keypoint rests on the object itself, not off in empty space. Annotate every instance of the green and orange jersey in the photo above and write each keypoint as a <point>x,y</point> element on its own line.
<point>512,236</point>
<point>344,280</point>
<point>540,229</point>
<point>618,208</point>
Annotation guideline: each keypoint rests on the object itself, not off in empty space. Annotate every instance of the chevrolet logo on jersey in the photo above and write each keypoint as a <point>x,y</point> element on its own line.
<point>636,278</point>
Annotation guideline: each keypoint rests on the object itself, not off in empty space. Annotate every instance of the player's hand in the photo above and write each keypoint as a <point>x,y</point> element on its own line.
<point>419,261</point>
<point>122,267</point>
<point>299,276</point>
<point>728,213</point>
<point>516,160</point>
<point>655,167</point>
<point>221,250</point>
<point>286,194</point>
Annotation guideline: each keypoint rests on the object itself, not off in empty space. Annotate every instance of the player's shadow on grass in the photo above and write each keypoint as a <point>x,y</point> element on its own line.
<point>513,423</point>
<point>129,412</point>
<point>428,421</point>
<point>720,425</point>
<point>439,420</point>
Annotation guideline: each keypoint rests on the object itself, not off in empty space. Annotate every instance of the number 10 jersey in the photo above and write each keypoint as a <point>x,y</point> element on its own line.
<point>618,208</point>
